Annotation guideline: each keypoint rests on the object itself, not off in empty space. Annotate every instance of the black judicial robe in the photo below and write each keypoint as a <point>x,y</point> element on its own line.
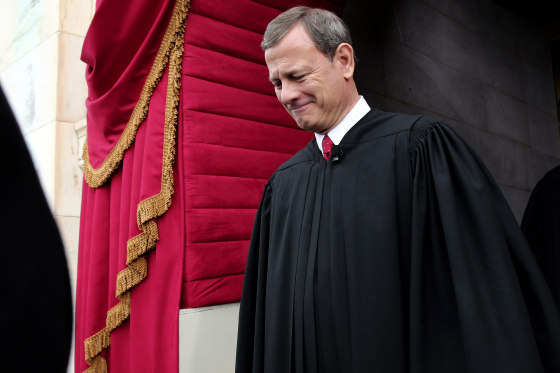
<point>36,311</point>
<point>398,255</point>
<point>541,226</point>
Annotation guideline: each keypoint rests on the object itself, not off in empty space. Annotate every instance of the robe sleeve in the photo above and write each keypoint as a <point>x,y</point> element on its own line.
<point>252,310</point>
<point>477,295</point>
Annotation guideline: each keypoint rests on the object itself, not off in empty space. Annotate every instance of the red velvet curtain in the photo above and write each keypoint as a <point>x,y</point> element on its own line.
<point>126,298</point>
<point>223,133</point>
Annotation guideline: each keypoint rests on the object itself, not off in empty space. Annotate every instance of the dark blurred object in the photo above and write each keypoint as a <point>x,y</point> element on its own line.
<point>539,12</point>
<point>541,226</point>
<point>36,312</point>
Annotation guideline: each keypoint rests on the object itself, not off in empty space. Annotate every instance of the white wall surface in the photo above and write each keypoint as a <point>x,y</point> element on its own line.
<point>207,339</point>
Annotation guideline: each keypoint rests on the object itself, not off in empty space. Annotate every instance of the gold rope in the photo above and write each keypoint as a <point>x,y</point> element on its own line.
<point>152,207</point>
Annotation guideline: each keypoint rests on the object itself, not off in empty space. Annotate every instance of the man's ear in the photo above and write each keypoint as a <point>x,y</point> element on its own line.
<point>344,57</point>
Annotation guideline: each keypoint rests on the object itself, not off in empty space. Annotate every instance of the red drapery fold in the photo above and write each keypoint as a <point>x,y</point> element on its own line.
<point>119,50</point>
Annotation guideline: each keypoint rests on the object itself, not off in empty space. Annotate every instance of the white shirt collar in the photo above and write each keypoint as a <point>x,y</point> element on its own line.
<point>337,133</point>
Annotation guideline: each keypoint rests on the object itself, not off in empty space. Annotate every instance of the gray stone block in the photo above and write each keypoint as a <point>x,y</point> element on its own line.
<point>366,21</point>
<point>539,88</point>
<point>506,160</point>
<point>507,116</point>
<point>367,17</point>
<point>544,133</point>
<point>470,134</point>
<point>389,104</point>
<point>483,17</point>
<point>426,83</point>
<point>532,46</point>
<point>377,100</point>
<point>426,30</point>
<point>370,69</point>
<point>498,69</point>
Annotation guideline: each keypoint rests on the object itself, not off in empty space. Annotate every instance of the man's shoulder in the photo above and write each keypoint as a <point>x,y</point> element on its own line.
<point>394,118</point>
<point>388,123</point>
<point>378,123</point>
<point>303,156</point>
<point>375,124</point>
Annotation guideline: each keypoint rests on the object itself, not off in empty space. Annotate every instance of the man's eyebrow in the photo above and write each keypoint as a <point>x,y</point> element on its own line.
<point>291,73</point>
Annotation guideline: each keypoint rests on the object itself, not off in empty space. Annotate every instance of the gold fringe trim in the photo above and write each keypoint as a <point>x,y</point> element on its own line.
<point>96,177</point>
<point>98,364</point>
<point>152,207</point>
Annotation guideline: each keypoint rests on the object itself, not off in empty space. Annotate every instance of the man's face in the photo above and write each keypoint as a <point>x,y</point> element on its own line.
<point>307,83</point>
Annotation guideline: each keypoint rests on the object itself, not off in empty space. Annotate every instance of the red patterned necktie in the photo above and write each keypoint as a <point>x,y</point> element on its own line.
<point>327,146</point>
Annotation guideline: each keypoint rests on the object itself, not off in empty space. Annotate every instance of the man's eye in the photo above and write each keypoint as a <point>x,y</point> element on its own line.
<point>298,77</point>
<point>277,84</point>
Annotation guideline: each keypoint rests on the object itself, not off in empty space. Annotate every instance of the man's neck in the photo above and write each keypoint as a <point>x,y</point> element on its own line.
<point>358,111</point>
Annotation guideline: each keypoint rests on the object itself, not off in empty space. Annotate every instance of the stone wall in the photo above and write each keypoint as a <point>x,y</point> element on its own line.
<point>43,79</point>
<point>475,66</point>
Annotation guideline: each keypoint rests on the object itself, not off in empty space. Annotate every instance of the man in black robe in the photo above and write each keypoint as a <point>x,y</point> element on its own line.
<point>398,253</point>
<point>541,226</point>
<point>36,312</point>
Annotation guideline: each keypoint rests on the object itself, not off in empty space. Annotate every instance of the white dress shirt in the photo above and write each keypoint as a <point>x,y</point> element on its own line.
<point>337,133</point>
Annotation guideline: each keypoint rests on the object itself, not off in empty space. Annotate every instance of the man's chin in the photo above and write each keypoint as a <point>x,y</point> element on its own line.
<point>304,125</point>
<point>311,127</point>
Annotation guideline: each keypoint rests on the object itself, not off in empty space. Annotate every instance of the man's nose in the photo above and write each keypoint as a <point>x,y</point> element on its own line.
<point>289,93</point>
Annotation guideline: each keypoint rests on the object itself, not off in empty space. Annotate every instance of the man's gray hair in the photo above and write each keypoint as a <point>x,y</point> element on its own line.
<point>326,29</point>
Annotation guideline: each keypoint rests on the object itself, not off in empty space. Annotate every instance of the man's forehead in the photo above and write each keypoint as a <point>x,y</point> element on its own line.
<point>291,55</point>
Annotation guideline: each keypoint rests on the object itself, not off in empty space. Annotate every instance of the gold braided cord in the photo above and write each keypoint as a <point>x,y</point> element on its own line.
<point>149,209</point>
<point>132,275</point>
<point>102,339</point>
<point>158,204</point>
<point>98,364</point>
<point>96,177</point>
<point>139,245</point>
